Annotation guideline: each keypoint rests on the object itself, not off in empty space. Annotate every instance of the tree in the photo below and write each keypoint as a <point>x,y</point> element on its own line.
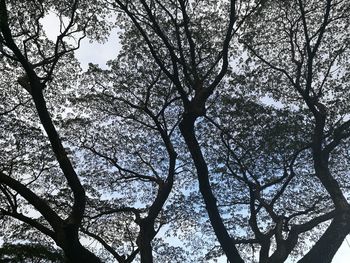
<point>29,63</point>
<point>195,61</point>
<point>140,166</point>
<point>308,63</point>
<point>115,156</point>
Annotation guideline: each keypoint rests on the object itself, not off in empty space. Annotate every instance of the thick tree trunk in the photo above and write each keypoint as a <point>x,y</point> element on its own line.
<point>264,251</point>
<point>326,247</point>
<point>78,254</point>
<point>146,252</point>
<point>68,239</point>
<point>144,239</point>
<point>228,246</point>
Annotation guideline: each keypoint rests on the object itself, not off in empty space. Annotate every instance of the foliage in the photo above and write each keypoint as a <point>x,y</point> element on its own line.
<point>220,130</point>
<point>29,253</point>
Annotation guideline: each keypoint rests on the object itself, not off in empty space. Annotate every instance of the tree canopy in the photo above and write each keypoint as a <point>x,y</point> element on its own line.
<point>29,253</point>
<point>221,130</point>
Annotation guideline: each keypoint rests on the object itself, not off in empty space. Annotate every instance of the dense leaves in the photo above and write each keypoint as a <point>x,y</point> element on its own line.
<point>29,253</point>
<point>221,130</point>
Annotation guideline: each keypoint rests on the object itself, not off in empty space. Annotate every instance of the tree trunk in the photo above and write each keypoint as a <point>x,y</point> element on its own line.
<point>228,246</point>
<point>144,239</point>
<point>68,239</point>
<point>264,251</point>
<point>326,247</point>
<point>146,252</point>
<point>78,254</point>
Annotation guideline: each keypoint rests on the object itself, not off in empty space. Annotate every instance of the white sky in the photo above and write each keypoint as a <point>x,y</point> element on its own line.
<point>343,254</point>
<point>97,53</point>
<point>89,51</point>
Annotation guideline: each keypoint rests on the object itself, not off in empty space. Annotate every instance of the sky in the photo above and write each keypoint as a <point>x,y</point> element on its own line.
<point>343,254</point>
<point>90,51</point>
<point>100,53</point>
